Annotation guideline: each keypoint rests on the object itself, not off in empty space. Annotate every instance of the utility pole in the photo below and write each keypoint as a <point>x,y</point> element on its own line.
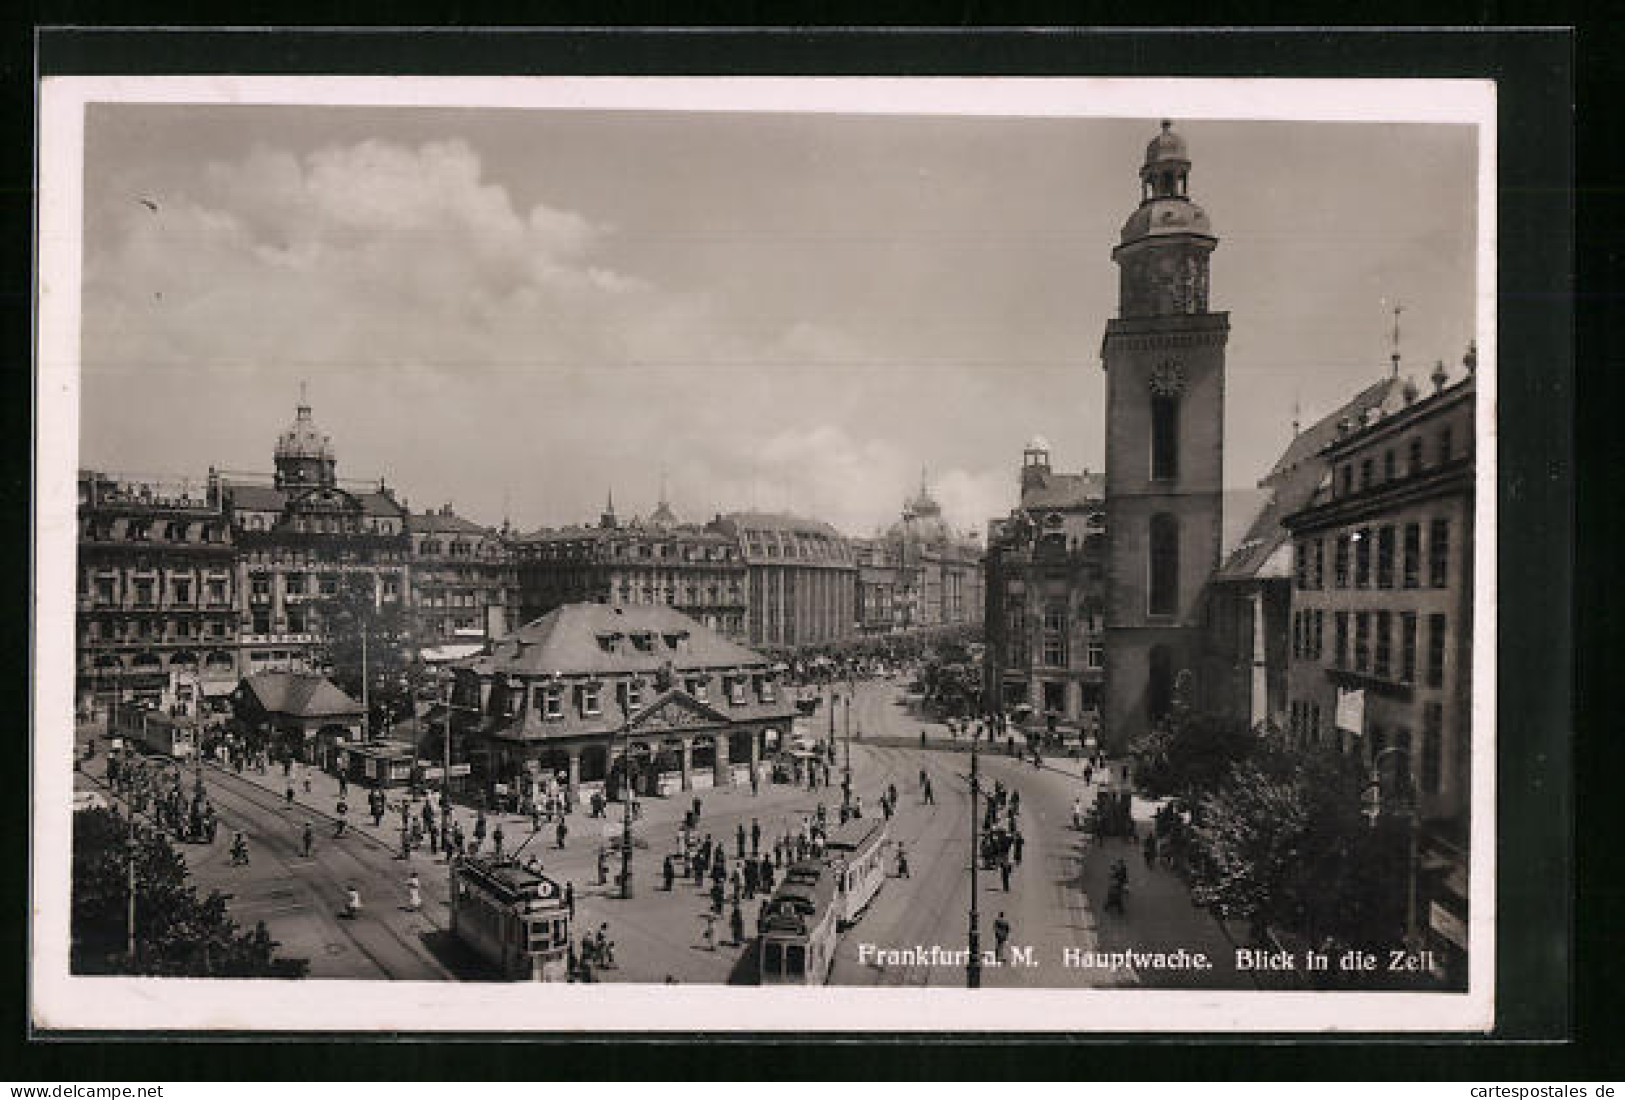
<point>627,795</point>
<point>851,688</point>
<point>445,775</point>
<point>197,743</point>
<point>366,712</point>
<point>973,966</point>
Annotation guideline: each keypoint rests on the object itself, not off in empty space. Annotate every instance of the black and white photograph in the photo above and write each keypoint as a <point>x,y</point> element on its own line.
<point>771,554</point>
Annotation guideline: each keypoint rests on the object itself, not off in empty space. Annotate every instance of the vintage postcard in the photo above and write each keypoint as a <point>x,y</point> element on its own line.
<point>858,555</point>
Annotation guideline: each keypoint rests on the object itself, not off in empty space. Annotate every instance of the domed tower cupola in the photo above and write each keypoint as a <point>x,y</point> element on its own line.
<point>1167,169</point>
<point>1164,247</point>
<point>304,453</point>
<point>1035,467</point>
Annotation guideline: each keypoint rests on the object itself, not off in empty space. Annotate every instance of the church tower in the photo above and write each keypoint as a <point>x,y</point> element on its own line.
<point>1164,361</point>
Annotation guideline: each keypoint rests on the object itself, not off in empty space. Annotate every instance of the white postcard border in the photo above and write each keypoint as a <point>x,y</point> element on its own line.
<point>60,1000</point>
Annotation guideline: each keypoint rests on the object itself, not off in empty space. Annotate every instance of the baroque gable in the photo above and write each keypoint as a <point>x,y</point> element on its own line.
<point>676,710</point>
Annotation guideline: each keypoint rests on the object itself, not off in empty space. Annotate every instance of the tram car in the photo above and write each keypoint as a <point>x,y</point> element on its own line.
<point>514,919</point>
<point>802,923</point>
<point>798,928</point>
<point>856,854</point>
<point>156,732</point>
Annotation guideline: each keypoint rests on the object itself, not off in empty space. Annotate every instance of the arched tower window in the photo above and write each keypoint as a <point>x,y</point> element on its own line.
<point>1164,436</point>
<point>1159,683</point>
<point>1163,595</point>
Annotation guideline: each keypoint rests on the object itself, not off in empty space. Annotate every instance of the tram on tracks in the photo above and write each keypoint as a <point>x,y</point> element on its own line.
<point>818,899</point>
<point>799,928</point>
<point>513,918</point>
<point>856,853</point>
<point>157,732</point>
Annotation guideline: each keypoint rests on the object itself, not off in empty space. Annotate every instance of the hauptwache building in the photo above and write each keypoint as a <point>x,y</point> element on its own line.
<point>578,692</point>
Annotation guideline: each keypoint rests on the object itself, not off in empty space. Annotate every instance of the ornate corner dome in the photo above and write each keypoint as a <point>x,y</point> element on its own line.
<point>303,439</point>
<point>304,453</point>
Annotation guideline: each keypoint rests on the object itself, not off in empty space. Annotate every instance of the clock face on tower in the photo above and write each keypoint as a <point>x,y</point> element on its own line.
<point>1167,378</point>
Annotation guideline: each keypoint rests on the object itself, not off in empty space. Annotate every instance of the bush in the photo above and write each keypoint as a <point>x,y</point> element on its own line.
<point>1282,844</point>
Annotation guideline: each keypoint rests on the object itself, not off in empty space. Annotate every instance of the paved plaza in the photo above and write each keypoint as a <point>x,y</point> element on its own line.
<point>1053,906</point>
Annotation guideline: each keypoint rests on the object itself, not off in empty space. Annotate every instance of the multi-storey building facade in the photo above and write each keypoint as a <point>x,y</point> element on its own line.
<point>1164,361</point>
<point>919,574</point>
<point>157,594</point>
<point>939,570</point>
<point>1249,602</point>
<point>802,579</point>
<point>880,587</point>
<point>657,562</point>
<point>1381,630</point>
<point>183,591</point>
<point>462,576</point>
<point>300,540</point>
<point>1046,597</point>
<point>573,693</point>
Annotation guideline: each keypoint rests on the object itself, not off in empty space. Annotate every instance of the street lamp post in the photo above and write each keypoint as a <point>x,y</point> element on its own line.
<point>973,965</point>
<point>198,792</point>
<point>445,774</point>
<point>832,699</point>
<point>851,689</point>
<point>626,813</point>
<point>1409,810</point>
<point>132,782</point>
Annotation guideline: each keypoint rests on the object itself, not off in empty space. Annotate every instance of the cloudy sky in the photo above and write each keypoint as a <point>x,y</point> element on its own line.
<point>527,308</point>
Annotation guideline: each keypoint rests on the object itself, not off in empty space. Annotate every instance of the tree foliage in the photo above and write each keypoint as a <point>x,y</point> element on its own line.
<point>389,654</point>
<point>178,934</point>
<point>1190,754</point>
<point>953,685</point>
<point>1281,843</point>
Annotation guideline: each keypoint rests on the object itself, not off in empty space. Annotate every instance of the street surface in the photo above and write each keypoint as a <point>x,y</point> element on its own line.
<point>1055,901</point>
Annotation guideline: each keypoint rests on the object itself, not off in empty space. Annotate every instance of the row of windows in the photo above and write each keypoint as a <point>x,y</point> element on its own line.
<point>796,549</point>
<point>667,594</point>
<point>320,525</point>
<point>458,548</point>
<point>1304,721</point>
<point>548,699</point>
<point>1416,463</point>
<point>590,550</point>
<point>142,530</point>
<point>1368,557</point>
<point>1375,649</point>
<point>147,630</point>
<point>322,556</point>
<point>145,593</point>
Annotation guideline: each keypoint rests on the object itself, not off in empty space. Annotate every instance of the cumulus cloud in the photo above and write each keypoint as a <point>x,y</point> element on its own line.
<point>400,279</point>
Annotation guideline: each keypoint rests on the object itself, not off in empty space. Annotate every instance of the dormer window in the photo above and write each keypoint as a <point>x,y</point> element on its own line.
<point>645,643</point>
<point>606,642</point>
<point>550,700</point>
